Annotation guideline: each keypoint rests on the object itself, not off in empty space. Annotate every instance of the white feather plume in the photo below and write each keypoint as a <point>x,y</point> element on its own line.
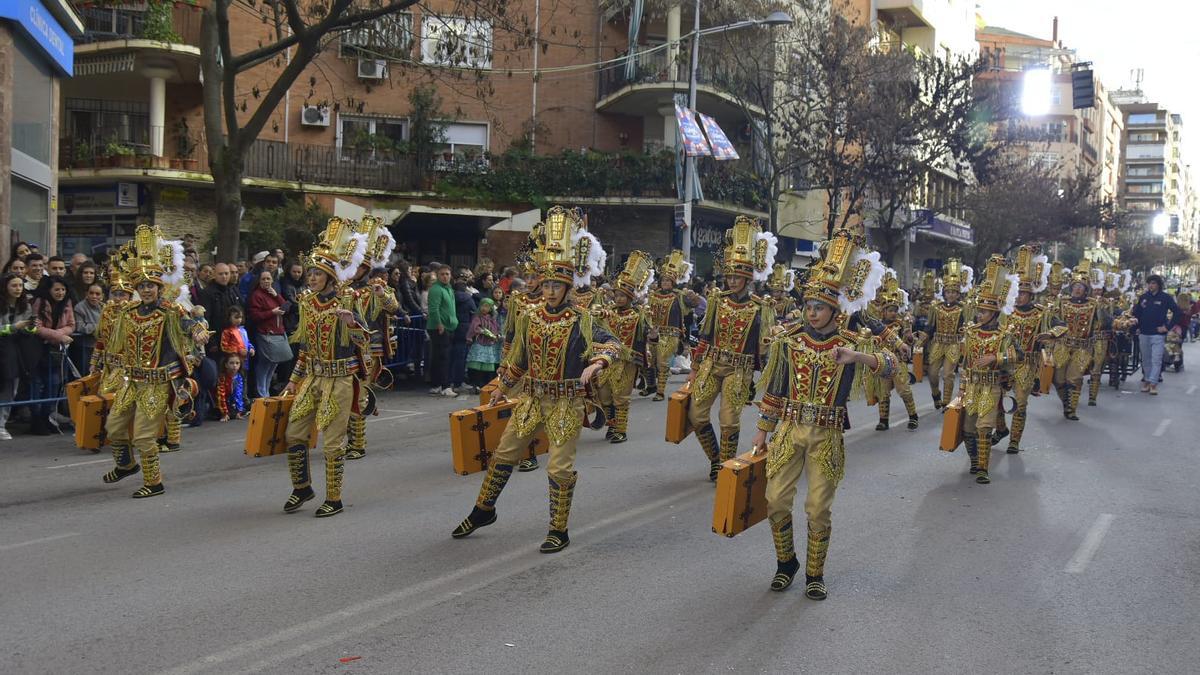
<point>968,279</point>
<point>1097,280</point>
<point>939,286</point>
<point>644,289</point>
<point>790,281</point>
<point>1010,301</point>
<point>904,302</point>
<point>1126,280</point>
<point>870,287</point>
<point>174,276</point>
<point>388,248</point>
<point>686,276</point>
<point>772,250</point>
<point>597,257</point>
<point>1066,274</point>
<point>1112,281</point>
<point>1041,282</point>
<point>346,273</point>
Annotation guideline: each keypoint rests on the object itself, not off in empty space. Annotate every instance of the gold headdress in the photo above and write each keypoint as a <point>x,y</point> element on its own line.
<point>153,258</point>
<point>890,294</point>
<point>676,268</point>
<point>782,279</point>
<point>847,276</point>
<point>749,252</point>
<point>998,288</point>
<point>564,250</point>
<point>1083,273</point>
<point>957,277</point>
<point>637,276</point>
<point>1032,268</point>
<point>339,251</point>
<point>929,289</point>
<point>1059,275</point>
<point>117,281</point>
<point>380,242</point>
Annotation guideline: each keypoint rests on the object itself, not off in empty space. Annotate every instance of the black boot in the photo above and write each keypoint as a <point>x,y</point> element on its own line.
<point>814,588</point>
<point>882,426</point>
<point>328,509</point>
<point>785,573</point>
<point>478,518</point>
<point>913,422</point>
<point>297,499</point>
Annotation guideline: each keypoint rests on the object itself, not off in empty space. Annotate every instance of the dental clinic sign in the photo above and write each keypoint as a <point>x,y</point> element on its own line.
<point>42,28</point>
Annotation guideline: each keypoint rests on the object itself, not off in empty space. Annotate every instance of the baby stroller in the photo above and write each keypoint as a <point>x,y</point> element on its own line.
<point>1173,354</point>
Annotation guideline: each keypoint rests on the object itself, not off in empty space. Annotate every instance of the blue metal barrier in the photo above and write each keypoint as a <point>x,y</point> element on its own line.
<point>410,342</point>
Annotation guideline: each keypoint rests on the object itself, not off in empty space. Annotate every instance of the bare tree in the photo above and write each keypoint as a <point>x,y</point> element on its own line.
<point>238,102</point>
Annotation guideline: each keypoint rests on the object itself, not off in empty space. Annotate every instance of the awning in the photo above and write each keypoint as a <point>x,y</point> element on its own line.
<point>107,64</point>
<point>520,222</point>
<point>412,209</point>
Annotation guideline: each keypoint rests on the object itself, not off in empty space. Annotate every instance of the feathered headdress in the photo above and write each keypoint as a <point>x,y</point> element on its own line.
<point>152,258</point>
<point>847,276</point>
<point>635,279</point>
<point>380,242</point>
<point>564,250</point>
<point>339,250</point>
<point>676,268</point>
<point>998,288</point>
<point>749,252</point>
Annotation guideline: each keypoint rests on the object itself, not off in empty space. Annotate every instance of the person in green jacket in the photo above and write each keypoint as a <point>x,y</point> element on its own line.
<point>443,320</point>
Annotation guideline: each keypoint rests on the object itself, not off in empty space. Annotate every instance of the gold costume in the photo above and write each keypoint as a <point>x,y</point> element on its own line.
<point>628,325</point>
<point>945,323</point>
<point>733,344</point>
<point>667,310</point>
<point>1077,323</point>
<point>804,394</point>
<point>1024,324</point>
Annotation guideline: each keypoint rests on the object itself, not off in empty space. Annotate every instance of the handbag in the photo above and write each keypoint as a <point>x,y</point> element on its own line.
<point>274,348</point>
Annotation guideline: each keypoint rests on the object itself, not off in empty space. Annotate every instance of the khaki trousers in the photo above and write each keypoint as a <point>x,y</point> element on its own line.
<point>136,420</point>
<point>663,353</point>
<point>515,447</point>
<point>945,368</point>
<point>733,385</point>
<point>614,391</point>
<point>812,446</point>
<point>333,398</point>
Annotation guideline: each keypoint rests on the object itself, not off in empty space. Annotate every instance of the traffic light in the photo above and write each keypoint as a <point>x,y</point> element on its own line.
<point>1083,88</point>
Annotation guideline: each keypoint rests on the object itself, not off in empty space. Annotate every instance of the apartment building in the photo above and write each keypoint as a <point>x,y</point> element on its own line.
<point>1155,180</point>
<point>600,130</point>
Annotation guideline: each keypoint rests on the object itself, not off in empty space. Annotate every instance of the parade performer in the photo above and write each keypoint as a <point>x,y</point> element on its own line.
<point>150,339</point>
<point>811,370</point>
<point>376,303</point>
<point>522,304</point>
<point>556,353</point>
<point>1104,281</point>
<point>172,437</point>
<point>120,292</point>
<point>1026,325</point>
<point>779,287</point>
<point>1059,276</point>
<point>333,364</point>
<point>733,341</point>
<point>628,324</point>
<point>1079,319</point>
<point>895,337</point>
<point>987,351</point>
<point>668,307</point>
<point>945,323</point>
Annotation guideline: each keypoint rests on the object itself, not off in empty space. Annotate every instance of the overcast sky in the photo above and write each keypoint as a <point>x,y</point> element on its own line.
<point>1158,36</point>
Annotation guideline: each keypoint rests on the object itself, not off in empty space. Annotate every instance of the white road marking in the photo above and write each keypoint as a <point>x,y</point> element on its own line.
<point>395,417</point>
<point>1191,390</point>
<point>1091,542</point>
<point>43,540</point>
<point>1162,427</point>
<point>394,605</point>
<point>67,466</point>
<point>397,410</point>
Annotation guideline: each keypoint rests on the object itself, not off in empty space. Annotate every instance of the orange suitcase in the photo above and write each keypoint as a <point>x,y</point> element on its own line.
<point>77,389</point>
<point>1046,373</point>
<point>919,363</point>
<point>485,393</point>
<point>91,417</point>
<point>741,499</point>
<point>952,425</point>
<point>267,432</point>
<point>475,434</point>
<point>678,425</point>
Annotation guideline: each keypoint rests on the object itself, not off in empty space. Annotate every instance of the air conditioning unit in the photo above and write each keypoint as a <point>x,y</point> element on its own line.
<point>314,116</point>
<point>372,69</point>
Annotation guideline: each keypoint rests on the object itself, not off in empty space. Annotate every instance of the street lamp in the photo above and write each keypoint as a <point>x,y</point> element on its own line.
<point>689,162</point>
<point>1036,92</point>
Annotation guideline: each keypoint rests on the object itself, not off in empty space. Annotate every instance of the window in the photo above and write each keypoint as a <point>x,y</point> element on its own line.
<point>370,138</point>
<point>1144,118</point>
<point>456,41</point>
<point>389,35</point>
<point>465,142</point>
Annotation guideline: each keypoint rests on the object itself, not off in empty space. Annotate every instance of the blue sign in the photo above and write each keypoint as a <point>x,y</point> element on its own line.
<point>41,27</point>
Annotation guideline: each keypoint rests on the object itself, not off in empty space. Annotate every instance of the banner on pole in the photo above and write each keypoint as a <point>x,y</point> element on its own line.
<point>722,149</point>
<point>694,143</point>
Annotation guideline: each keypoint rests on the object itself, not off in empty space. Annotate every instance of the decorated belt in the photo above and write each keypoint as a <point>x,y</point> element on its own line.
<point>981,376</point>
<point>1078,343</point>
<point>334,368</point>
<point>113,361</point>
<point>831,416</point>
<point>1104,335</point>
<point>573,388</point>
<point>669,331</point>
<point>944,339</point>
<point>727,357</point>
<point>153,375</point>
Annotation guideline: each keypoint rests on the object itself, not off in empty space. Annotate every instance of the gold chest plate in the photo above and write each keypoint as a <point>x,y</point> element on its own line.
<point>734,320</point>
<point>548,338</point>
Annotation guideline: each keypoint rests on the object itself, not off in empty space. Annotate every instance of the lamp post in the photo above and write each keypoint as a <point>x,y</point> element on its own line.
<point>689,162</point>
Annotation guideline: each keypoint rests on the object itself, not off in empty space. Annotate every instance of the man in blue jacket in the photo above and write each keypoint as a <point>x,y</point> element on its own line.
<point>1151,314</point>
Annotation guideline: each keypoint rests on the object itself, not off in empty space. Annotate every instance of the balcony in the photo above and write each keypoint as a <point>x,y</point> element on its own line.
<point>1089,150</point>
<point>518,177</point>
<point>162,39</point>
<point>657,78</point>
<point>903,13</point>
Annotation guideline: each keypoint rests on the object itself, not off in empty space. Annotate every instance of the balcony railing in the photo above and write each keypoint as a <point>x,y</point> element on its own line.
<point>657,67</point>
<point>388,170</point>
<point>102,24</point>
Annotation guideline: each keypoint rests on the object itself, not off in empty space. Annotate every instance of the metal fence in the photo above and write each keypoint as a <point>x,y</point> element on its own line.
<point>330,165</point>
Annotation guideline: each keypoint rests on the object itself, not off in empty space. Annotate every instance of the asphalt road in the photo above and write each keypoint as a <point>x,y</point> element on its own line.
<point>1080,557</point>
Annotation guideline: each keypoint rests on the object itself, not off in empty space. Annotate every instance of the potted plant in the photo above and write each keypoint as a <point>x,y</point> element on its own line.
<point>185,147</point>
<point>119,154</point>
